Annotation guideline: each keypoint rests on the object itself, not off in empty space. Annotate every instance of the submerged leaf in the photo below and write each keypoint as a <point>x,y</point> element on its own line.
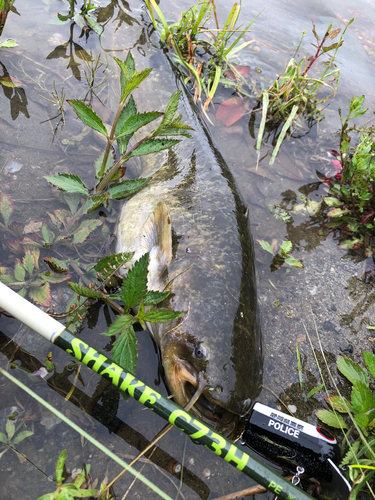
<point>6,207</point>
<point>266,246</point>
<point>242,70</point>
<point>41,295</point>
<point>127,188</point>
<point>232,110</point>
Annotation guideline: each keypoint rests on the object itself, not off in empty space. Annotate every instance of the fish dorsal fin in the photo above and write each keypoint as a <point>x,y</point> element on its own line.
<point>156,238</point>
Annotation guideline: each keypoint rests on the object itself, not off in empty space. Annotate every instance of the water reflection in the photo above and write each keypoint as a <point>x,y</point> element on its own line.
<point>16,95</point>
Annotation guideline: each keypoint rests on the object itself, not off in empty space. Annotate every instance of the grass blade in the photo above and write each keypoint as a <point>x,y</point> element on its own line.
<point>299,367</point>
<point>262,123</point>
<point>283,132</point>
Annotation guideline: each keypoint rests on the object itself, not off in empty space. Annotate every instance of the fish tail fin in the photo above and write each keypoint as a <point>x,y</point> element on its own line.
<point>156,238</point>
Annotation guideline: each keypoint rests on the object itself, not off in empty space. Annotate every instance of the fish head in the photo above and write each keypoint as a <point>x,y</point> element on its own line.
<point>224,382</point>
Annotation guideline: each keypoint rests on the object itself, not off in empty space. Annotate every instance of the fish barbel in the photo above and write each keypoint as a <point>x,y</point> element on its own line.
<point>190,219</point>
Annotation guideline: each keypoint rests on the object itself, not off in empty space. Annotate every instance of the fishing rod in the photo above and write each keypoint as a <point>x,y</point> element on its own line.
<point>56,333</point>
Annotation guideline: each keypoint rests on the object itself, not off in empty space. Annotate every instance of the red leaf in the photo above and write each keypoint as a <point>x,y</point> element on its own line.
<point>367,218</point>
<point>242,70</point>
<point>9,81</point>
<point>336,165</point>
<point>232,110</point>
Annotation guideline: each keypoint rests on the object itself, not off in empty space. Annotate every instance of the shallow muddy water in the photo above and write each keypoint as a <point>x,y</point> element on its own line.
<point>327,297</point>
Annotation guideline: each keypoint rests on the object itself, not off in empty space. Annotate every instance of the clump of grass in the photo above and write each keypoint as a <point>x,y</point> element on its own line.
<point>295,92</point>
<point>201,52</point>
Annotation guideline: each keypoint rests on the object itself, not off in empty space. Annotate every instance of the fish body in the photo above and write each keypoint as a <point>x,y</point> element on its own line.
<point>206,262</point>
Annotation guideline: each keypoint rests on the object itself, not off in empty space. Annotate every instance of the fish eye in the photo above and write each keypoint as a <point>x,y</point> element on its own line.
<point>200,352</point>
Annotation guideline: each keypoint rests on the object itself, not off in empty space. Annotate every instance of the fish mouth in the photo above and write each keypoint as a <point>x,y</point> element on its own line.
<point>187,382</point>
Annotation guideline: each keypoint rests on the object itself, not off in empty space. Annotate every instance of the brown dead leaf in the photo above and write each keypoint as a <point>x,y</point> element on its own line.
<point>32,227</point>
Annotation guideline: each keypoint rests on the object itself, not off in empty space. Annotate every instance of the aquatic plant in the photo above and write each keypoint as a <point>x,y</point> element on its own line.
<point>133,295</point>
<point>203,61</point>
<point>83,18</point>
<point>281,254</point>
<point>295,92</point>
<point>351,199</point>
<point>13,437</point>
<point>69,491</point>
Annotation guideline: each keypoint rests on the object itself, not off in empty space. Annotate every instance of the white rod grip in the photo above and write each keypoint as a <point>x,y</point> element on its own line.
<point>29,314</point>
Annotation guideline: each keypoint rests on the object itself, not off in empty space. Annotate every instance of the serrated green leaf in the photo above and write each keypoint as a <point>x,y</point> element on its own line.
<point>286,247</point>
<point>363,399</point>
<point>121,323</point>
<point>153,297</point>
<point>369,360</point>
<point>67,182</point>
<point>352,371</point>
<point>28,262</point>
<point>124,351</point>
<point>57,265</point>
<point>48,236</point>
<point>6,207</point>
<point>339,403</point>
<point>127,188</point>
<point>134,286</point>
<point>93,24</point>
<point>19,271</point>
<point>333,202</point>
<point>99,162</point>
<point>351,455</point>
<point>88,116</point>
<point>133,82</point>
<point>107,265</point>
<point>356,103</point>
<point>127,70</point>
<point>134,123</point>
<point>170,111</point>
<point>21,436</point>
<point>129,110</point>
<point>332,419</point>
<point>266,246</point>
<point>314,391</point>
<point>162,315</point>
<point>362,420</point>
<point>153,146</point>
<point>85,292</point>
<point>81,234</point>
<point>41,295</point>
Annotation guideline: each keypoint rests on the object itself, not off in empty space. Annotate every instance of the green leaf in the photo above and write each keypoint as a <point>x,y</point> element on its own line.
<point>338,212</point>
<point>28,262</point>
<point>6,207</point>
<point>99,162</point>
<point>63,17</point>
<point>81,234</point>
<point>60,467</point>
<point>351,455</point>
<point>107,265</point>
<point>291,261</point>
<point>153,146</point>
<point>134,123</point>
<point>356,104</point>
<point>352,371</point>
<point>10,429</point>
<point>85,292</point>
<point>339,403</point>
<point>153,297</point>
<point>134,286</point>
<point>127,112</point>
<point>121,323</point>
<point>369,360</point>
<point>55,278</point>
<point>94,202</point>
<point>41,295</point>
<point>127,188</point>
<point>286,247</point>
<point>314,391</point>
<point>21,436</point>
<point>9,44</point>
<point>333,202</point>
<point>67,182</point>
<point>266,246</point>
<point>363,399</point>
<point>133,82</point>
<point>88,116</point>
<point>3,438</point>
<point>162,315</point>
<point>93,24</point>
<point>57,265</point>
<point>332,419</point>
<point>169,113</point>
<point>48,236</point>
<point>127,70</point>
<point>19,271</point>
<point>124,351</point>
